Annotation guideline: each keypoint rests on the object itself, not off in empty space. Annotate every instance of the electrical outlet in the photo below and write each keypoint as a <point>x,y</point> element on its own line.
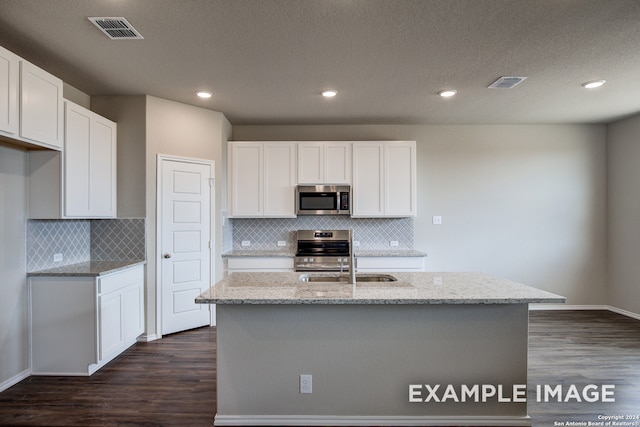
<point>246,243</point>
<point>282,243</point>
<point>57,257</point>
<point>356,243</point>
<point>306,384</point>
<point>393,243</point>
<point>437,220</point>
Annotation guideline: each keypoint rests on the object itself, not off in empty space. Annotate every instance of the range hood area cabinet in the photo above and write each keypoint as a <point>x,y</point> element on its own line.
<point>263,176</point>
<point>31,104</point>
<point>384,179</point>
<point>81,181</point>
<point>324,162</point>
<point>262,179</point>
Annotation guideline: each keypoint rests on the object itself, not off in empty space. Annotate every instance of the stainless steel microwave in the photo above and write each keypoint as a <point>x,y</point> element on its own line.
<point>323,200</point>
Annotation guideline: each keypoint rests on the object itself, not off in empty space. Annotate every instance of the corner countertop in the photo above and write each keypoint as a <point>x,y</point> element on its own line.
<point>410,288</point>
<point>89,268</point>
<point>290,254</point>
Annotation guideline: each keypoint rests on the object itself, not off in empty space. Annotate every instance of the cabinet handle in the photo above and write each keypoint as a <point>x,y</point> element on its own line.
<point>167,256</point>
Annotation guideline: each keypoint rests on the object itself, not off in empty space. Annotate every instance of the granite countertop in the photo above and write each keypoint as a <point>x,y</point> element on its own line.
<point>291,254</point>
<point>89,268</point>
<point>410,288</point>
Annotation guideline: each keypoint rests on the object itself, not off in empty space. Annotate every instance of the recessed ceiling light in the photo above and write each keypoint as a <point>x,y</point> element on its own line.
<point>204,94</point>
<point>447,93</point>
<point>593,84</point>
<point>329,93</point>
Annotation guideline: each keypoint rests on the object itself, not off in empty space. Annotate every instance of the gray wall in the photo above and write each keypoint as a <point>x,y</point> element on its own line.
<point>186,131</point>
<point>623,154</point>
<point>527,202</point>
<point>14,337</point>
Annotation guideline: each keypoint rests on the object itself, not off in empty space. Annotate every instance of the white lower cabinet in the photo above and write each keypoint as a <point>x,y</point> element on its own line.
<point>247,264</point>
<point>80,323</point>
<point>389,264</point>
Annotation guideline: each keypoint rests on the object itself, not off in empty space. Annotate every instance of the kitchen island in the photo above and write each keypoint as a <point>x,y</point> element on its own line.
<point>425,349</point>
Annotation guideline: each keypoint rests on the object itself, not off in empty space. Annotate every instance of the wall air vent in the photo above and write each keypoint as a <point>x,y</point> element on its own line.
<point>117,28</point>
<point>506,82</point>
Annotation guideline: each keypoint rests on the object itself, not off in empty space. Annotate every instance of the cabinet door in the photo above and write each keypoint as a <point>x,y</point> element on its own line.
<point>132,311</point>
<point>310,163</point>
<point>245,180</point>
<point>8,92</point>
<point>76,160</point>
<point>111,330</point>
<point>41,107</point>
<point>337,162</point>
<point>368,183</point>
<point>102,168</point>
<point>279,179</point>
<point>90,164</point>
<point>400,179</point>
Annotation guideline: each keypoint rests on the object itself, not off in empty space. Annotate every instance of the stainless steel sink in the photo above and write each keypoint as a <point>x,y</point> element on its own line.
<point>345,279</point>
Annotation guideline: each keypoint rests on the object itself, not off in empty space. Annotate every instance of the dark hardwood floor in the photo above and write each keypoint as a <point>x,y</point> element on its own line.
<point>171,382</point>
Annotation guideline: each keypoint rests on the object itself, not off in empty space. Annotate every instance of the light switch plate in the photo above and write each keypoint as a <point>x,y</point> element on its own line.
<point>246,243</point>
<point>437,220</point>
<point>393,243</point>
<point>282,243</point>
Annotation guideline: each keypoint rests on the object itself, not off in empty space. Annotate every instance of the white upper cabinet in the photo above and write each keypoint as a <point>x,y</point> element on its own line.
<point>384,179</point>
<point>90,164</point>
<point>324,162</point>
<point>9,65</point>
<point>279,179</point>
<point>41,107</point>
<point>81,181</point>
<point>262,179</point>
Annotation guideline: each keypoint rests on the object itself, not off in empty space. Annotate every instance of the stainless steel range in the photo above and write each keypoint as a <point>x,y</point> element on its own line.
<point>322,250</point>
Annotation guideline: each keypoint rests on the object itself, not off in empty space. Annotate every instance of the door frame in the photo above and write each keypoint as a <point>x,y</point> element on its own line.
<point>212,247</point>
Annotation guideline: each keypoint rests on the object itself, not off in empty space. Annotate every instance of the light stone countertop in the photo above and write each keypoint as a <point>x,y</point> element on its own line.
<point>291,254</point>
<point>410,288</point>
<point>89,268</point>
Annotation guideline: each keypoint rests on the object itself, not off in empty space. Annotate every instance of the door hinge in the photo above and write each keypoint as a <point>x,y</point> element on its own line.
<point>209,244</point>
<point>212,182</point>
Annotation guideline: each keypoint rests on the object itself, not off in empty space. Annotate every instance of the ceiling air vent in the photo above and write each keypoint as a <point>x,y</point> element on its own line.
<point>506,82</point>
<point>117,28</point>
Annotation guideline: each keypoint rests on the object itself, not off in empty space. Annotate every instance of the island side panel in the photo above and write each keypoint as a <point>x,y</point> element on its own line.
<point>364,357</point>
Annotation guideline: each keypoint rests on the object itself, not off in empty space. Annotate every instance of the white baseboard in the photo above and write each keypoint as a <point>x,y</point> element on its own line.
<point>147,338</point>
<point>631,314</point>
<point>625,312</point>
<point>15,380</point>
<point>567,307</point>
<point>332,420</point>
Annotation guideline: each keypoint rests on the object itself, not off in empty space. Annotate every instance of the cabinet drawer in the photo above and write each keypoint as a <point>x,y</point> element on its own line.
<point>120,279</point>
<point>252,263</point>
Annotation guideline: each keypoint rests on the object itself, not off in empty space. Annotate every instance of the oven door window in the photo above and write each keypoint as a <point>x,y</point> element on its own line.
<point>318,201</point>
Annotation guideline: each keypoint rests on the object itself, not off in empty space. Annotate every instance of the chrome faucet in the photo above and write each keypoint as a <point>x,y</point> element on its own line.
<point>352,259</point>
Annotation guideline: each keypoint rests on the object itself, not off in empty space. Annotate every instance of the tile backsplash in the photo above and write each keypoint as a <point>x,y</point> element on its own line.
<point>48,237</point>
<point>118,239</point>
<point>84,240</point>
<point>372,233</point>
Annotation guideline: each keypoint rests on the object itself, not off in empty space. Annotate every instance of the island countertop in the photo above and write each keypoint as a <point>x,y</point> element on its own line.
<point>410,288</point>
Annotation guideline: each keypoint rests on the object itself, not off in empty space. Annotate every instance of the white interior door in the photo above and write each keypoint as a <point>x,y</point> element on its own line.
<point>185,254</point>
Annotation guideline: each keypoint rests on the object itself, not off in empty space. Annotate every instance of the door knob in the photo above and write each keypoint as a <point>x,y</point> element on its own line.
<point>167,256</point>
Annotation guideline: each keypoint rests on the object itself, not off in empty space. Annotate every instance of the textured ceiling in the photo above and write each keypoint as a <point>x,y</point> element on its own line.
<point>268,60</point>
